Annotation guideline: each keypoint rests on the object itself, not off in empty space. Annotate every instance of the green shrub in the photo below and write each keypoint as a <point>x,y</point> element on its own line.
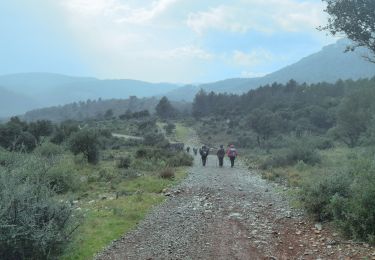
<point>62,176</point>
<point>317,192</point>
<point>86,142</point>
<point>49,150</point>
<point>167,173</point>
<point>124,162</point>
<point>347,198</point>
<point>25,142</point>
<point>33,224</point>
<point>180,159</point>
<point>322,143</point>
<point>128,174</point>
<point>155,139</point>
<point>289,156</point>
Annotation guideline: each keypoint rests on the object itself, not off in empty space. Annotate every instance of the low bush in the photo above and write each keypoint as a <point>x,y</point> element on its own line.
<point>289,156</point>
<point>33,223</point>
<point>317,192</point>
<point>180,159</point>
<point>62,176</point>
<point>124,162</point>
<point>128,174</point>
<point>347,198</point>
<point>49,150</point>
<point>167,173</point>
<point>155,139</point>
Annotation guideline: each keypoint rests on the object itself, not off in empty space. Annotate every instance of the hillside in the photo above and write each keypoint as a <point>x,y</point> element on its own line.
<point>10,101</point>
<point>97,109</point>
<point>46,89</point>
<point>327,65</point>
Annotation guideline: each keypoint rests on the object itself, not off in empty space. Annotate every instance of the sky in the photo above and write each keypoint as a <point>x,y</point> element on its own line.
<point>179,41</point>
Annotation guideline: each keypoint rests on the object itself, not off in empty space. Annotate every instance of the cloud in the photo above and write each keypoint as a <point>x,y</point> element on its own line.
<point>183,53</point>
<point>118,11</point>
<point>259,15</point>
<point>252,58</point>
<point>166,40</point>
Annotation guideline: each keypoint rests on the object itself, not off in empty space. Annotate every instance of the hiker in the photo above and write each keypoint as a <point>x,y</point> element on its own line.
<point>195,150</point>
<point>232,154</point>
<point>188,149</point>
<point>220,155</point>
<point>204,151</point>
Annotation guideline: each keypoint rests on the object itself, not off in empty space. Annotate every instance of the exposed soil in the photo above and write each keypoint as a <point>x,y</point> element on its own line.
<point>224,213</point>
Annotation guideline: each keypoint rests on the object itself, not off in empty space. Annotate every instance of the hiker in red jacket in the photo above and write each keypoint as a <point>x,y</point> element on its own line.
<point>232,154</point>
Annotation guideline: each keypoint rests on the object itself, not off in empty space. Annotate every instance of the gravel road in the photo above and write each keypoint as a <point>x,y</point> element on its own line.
<point>224,213</point>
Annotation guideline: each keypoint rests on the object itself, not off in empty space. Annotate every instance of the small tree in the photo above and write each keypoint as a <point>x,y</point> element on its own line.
<point>169,128</point>
<point>86,142</point>
<point>108,114</point>
<point>165,109</point>
<point>41,128</point>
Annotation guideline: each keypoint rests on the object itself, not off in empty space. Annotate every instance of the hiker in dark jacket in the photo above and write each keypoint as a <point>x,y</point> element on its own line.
<point>188,149</point>
<point>195,150</point>
<point>204,151</point>
<point>220,155</point>
<point>232,154</point>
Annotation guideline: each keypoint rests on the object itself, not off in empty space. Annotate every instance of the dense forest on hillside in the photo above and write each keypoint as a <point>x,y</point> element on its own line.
<point>99,109</point>
<point>344,109</point>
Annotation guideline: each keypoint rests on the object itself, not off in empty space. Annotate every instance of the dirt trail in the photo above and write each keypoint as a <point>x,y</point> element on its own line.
<point>227,214</point>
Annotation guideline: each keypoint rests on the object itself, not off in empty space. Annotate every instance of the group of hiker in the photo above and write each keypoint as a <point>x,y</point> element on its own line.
<point>204,151</point>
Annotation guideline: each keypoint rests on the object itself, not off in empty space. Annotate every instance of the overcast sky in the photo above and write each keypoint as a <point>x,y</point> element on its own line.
<point>182,41</point>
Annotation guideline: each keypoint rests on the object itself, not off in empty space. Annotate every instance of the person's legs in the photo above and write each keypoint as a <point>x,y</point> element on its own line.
<point>232,161</point>
<point>204,160</point>
<point>221,161</point>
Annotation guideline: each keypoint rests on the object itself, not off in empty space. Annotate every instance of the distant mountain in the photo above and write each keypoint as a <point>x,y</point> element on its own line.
<point>98,108</point>
<point>22,92</point>
<point>46,89</point>
<point>329,65</point>
<point>17,103</point>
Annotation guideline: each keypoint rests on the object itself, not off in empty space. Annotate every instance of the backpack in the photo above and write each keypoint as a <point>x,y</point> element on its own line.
<point>204,153</point>
<point>221,152</point>
<point>232,152</point>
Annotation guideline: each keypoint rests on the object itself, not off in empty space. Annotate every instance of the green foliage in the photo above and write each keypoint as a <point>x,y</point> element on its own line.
<point>41,128</point>
<point>49,150</point>
<point>317,192</point>
<point>297,151</point>
<point>86,142</point>
<point>124,162</point>
<point>160,158</point>
<point>155,139</point>
<point>167,173</point>
<point>165,110</point>
<point>33,224</point>
<point>25,142</point>
<point>355,115</point>
<point>347,198</point>
<point>354,18</point>
<point>169,128</point>
<point>62,176</point>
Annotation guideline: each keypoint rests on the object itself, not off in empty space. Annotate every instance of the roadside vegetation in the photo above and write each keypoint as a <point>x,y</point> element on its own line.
<point>317,139</point>
<point>67,190</point>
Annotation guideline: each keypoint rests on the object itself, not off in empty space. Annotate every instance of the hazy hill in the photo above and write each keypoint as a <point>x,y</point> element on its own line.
<point>46,89</point>
<point>329,65</point>
<point>10,101</point>
<point>98,108</point>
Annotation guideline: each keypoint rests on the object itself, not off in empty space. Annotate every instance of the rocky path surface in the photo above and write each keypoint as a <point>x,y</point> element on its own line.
<point>224,213</point>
